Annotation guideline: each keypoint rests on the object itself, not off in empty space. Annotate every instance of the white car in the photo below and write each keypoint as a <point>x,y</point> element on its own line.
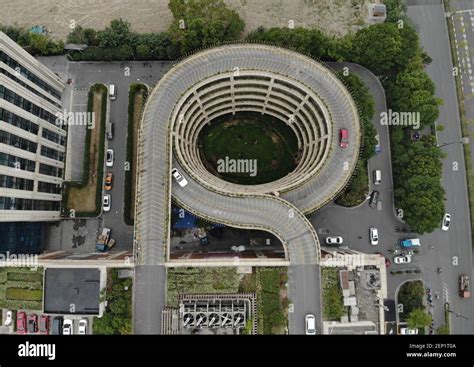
<point>408,331</point>
<point>8,318</point>
<point>109,158</point>
<point>68,327</point>
<point>179,178</point>
<point>446,222</point>
<point>374,236</point>
<point>334,240</point>
<point>82,330</point>
<point>402,259</point>
<point>310,324</point>
<point>107,202</point>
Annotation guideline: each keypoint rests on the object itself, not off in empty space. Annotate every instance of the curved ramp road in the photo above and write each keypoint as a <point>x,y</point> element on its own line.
<point>267,80</point>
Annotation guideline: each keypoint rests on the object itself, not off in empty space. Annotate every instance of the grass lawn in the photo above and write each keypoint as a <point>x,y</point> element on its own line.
<point>21,288</point>
<point>272,300</point>
<point>332,295</point>
<point>250,136</point>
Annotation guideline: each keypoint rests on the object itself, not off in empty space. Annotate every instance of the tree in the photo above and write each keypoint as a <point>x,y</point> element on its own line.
<point>414,91</point>
<point>117,34</point>
<point>419,319</point>
<point>385,49</point>
<point>200,23</point>
<point>81,35</point>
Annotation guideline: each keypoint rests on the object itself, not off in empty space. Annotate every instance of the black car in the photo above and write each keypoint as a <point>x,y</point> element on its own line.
<point>32,324</point>
<point>57,326</point>
<point>374,198</point>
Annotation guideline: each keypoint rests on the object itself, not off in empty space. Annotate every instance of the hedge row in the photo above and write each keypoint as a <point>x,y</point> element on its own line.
<point>131,140</point>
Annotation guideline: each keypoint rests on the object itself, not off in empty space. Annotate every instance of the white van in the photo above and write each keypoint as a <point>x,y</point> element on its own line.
<point>377,177</point>
<point>112,92</point>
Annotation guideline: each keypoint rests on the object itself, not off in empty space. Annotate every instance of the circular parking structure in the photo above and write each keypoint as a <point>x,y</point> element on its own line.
<point>248,148</point>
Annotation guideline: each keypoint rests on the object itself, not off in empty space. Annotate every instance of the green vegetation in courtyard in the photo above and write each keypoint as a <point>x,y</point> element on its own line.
<point>21,288</point>
<point>117,318</point>
<point>200,280</point>
<point>85,196</point>
<point>410,295</point>
<point>272,300</point>
<point>268,141</point>
<point>332,295</point>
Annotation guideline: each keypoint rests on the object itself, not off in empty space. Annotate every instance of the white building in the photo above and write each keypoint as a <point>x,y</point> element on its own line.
<point>32,145</point>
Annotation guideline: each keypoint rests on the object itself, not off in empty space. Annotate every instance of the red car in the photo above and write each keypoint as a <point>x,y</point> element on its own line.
<point>44,325</point>
<point>32,324</point>
<point>343,138</point>
<point>21,323</point>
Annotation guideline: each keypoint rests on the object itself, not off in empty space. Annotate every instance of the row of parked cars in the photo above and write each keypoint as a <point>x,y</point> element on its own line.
<point>32,324</point>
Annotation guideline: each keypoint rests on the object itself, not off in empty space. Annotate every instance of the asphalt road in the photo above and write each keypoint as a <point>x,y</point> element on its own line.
<point>453,249</point>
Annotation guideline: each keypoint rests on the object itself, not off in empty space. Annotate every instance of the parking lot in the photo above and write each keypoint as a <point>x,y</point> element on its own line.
<point>26,322</point>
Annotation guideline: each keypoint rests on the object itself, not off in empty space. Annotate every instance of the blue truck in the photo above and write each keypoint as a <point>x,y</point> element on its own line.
<point>412,242</point>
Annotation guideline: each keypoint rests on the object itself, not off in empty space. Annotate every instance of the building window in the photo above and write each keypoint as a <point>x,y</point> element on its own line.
<point>28,87</point>
<point>29,75</point>
<point>18,121</point>
<point>26,105</point>
<point>50,170</point>
<point>17,162</point>
<point>54,137</point>
<point>48,187</point>
<point>17,142</point>
<point>7,203</point>
<point>16,183</point>
<point>52,153</point>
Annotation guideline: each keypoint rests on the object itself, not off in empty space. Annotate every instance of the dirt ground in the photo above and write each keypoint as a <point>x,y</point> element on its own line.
<point>335,17</point>
<point>84,199</point>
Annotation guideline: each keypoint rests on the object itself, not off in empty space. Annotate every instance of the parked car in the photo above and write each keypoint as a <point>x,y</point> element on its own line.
<point>374,236</point>
<point>107,202</point>
<point>374,199</point>
<point>112,92</point>
<point>408,331</point>
<point>109,181</point>
<point>8,318</point>
<point>446,222</point>
<point>377,177</point>
<point>57,326</point>
<point>21,322</point>
<point>109,159</point>
<point>68,327</point>
<point>402,259</point>
<point>334,240</point>
<point>310,324</point>
<point>44,325</point>
<point>32,324</point>
<point>343,138</point>
<point>82,330</point>
<point>179,178</point>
